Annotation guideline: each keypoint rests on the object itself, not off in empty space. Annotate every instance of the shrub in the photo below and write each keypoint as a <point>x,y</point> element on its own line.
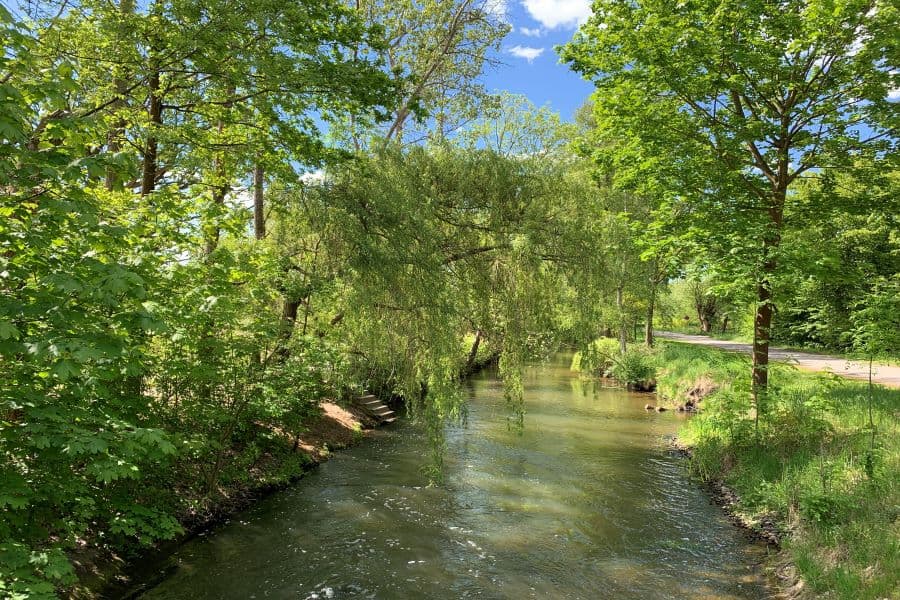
<point>636,368</point>
<point>597,359</point>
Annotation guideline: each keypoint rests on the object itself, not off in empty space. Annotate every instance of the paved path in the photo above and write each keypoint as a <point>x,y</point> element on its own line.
<point>885,375</point>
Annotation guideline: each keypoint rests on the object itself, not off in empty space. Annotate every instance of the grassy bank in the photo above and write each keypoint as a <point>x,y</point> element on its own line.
<point>104,569</point>
<point>814,465</point>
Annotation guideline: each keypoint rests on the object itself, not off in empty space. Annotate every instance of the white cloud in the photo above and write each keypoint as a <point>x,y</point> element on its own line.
<point>313,178</point>
<point>558,13</point>
<point>536,32</point>
<point>496,8</point>
<point>526,52</point>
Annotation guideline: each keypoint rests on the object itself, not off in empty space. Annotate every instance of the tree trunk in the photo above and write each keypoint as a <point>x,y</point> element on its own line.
<point>648,326</point>
<point>623,331</point>
<point>151,148</point>
<point>762,324</point>
<point>259,216</point>
<point>113,145</point>
<point>307,306</point>
<point>765,309</point>
<point>220,185</point>
<point>289,312</point>
<point>473,354</point>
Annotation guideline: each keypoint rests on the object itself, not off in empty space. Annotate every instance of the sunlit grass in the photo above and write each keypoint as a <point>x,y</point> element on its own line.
<point>813,465</point>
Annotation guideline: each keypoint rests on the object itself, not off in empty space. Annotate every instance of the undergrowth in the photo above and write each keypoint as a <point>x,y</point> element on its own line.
<point>602,358</point>
<point>813,465</point>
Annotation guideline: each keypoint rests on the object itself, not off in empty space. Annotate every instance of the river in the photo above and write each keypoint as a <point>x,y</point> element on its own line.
<point>585,503</point>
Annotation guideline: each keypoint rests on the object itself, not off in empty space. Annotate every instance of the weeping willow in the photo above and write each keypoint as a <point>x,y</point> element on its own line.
<point>419,248</point>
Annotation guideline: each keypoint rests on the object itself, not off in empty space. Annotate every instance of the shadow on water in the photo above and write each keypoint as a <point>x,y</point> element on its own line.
<point>585,503</point>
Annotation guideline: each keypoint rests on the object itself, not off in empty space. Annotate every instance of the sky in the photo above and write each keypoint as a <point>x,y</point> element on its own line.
<point>530,63</point>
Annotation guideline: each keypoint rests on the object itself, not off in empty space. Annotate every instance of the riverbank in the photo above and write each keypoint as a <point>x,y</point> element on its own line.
<point>106,572</point>
<point>103,572</point>
<point>820,473</point>
<point>621,519</point>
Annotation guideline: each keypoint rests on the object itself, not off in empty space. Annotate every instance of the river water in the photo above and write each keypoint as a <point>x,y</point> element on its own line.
<point>585,503</point>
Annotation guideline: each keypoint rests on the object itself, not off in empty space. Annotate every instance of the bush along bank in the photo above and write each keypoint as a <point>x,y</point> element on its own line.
<point>820,466</point>
<point>635,369</point>
<point>126,569</point>
<point>103,569</point>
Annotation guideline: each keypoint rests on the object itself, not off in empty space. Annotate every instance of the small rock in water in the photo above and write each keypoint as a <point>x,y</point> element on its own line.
<point>661,409</point>
<point>648,407</point>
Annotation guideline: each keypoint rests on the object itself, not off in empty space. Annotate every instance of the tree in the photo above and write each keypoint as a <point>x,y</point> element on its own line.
<point>841,241</point>
<point>731,103</point>
<point>436,51</point>
<point>514,127</point>
<point>133,381</point>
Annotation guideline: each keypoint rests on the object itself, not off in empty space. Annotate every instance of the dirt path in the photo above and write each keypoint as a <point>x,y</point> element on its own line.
<point>886,375</point>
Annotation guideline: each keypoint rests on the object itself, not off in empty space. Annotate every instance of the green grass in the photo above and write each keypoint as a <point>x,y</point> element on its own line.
<point>716,334</point>
<point>810,465</point>
<point>747,338</point>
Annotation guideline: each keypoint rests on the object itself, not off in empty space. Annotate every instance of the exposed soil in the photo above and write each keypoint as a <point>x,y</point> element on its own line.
<point>337,427</point>
<point>702,388</point>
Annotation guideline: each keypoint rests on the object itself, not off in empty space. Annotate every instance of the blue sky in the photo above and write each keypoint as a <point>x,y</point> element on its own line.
<point>531,66</point>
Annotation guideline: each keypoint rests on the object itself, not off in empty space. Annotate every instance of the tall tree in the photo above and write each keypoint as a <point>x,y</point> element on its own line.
<point>436,51</point>
<point>732,102</point>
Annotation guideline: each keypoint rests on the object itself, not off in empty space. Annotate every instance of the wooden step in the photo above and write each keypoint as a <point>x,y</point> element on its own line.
<point>367,397</point>
<point>383,412</point>
<point>373,403</point>
<point>389,420</point>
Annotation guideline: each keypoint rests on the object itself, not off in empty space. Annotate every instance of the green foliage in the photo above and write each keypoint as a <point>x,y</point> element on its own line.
<point>637,367</point>
<point>811,470</point>
<point>844,252</point>
<point>597,359</point>
<point>139,329</point>
<point>721,109</point>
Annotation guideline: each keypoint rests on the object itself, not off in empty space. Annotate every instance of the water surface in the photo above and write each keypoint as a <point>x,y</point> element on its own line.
<point>585,503</point>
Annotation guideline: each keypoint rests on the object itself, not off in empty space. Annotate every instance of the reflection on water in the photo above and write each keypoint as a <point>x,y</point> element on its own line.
<point>585,503</point>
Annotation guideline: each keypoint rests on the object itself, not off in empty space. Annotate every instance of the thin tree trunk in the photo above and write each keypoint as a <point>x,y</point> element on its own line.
<point>473,354</point>
<point>154,113</point>
<point>126,7</point>
<point>648,326</point>
<point>871,415</point>
<point>259,216</point>
<point>307,305</point>
<point>221,185</point>
<point>623,332</point>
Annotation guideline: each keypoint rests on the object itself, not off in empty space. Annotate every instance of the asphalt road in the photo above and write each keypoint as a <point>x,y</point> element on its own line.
<point>886,375</point>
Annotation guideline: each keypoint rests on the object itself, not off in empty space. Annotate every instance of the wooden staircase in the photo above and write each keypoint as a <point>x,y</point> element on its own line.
<point>375,408</point>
